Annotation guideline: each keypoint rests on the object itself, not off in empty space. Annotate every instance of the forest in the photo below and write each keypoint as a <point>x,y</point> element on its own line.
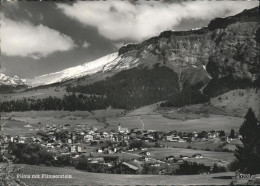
<point>129,89</point>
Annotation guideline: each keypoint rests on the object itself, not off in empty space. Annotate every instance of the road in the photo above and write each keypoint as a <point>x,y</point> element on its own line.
<point>142,123</point>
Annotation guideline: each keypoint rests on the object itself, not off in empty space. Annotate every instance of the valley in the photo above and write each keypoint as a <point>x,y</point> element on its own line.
<point>151,113</point>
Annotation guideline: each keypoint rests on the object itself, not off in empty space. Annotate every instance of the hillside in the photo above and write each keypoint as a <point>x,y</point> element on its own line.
<point>237,102</point>
<point>211,60</point>
<point>81,178</point>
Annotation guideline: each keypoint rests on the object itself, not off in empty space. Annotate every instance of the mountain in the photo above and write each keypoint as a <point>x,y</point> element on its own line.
<point>177,67</point>
<point>73,72</point>
<point>206,62</point>
<point>10,81</point>
<point>226,49</point>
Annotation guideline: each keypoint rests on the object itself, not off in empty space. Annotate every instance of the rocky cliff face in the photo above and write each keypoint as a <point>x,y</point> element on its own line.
<point>228,48</point>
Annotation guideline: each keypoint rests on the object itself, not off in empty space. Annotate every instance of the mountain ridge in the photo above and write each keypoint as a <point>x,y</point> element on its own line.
<point>197,56</point>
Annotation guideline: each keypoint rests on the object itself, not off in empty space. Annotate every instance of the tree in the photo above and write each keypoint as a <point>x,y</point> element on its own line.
<point>248,154</point>
<point>222,133</point>
<point>217,168</point>
<point>232,134</point>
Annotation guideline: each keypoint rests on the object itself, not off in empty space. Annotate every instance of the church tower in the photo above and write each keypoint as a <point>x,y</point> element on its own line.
<point>119,127</point>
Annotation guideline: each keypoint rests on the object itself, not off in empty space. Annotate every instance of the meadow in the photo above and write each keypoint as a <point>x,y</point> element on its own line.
<point>161,123</point>
<point>82,178</point>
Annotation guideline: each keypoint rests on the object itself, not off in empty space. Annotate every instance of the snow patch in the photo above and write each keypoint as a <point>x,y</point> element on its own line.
<point>73,72</point>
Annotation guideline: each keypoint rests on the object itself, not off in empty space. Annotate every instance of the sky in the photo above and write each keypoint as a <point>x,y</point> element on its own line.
<point>40,37</point>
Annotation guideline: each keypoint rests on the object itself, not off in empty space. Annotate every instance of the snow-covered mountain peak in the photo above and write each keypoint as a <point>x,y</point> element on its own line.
<point>73,72</point>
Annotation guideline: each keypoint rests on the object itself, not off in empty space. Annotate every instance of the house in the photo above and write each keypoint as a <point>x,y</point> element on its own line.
<point>156,165</point>
<point>124,168</point>
<point>169,158</point>
<point>79,149</point>
<point>99,150</point>
<point>146,153</point>
<point>49,145</point>
<point>176,138</point>
<point>197,156</point>
<point>181,140</point>
<point>88,137</point>
<point>224,139</point>
<point>69,141</point>
<point>72,148</point>
<point>143,158</point>
<point>195,134</point>
<point>91,132</point>
<point>168,137</point>
<point>179,161</point>
<point>184,157</point>
<point>212,135</point>
<point>21,139</point>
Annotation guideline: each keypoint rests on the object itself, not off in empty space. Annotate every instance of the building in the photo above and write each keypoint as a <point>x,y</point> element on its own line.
<point>169,158</point>
<point>72,148</point>
<point>146,153</point>
<point>88,137</point>
<point>168,138</point>
<point>197,156</point>
<point>124,168</point>
<point>79,149</point>
<point>122,130</point>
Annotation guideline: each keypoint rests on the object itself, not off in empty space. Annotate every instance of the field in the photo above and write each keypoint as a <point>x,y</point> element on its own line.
<point>158,122</point>
<point>82,178</point>
<point>16,121</point>
<point>210,157</point>
<point>35,94</point>
<point>147,117</point>
<point>14,128</point>
<point>237,102</point>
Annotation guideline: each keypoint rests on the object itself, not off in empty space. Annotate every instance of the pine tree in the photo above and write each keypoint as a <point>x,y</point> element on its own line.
<point>248,154</point>
<point>232,134</point>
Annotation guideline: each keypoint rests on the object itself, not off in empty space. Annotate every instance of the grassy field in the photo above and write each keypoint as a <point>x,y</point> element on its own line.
<point>18,120</point>
<point>197,145</point>
<point>161,153</point>
<point>18,125</point>
<point>237,102</point>
<point>158,122</point>
<point>152,119</point>
<point>35,94</point>
<point>83,178</point>
<point>210,157</point>
<point>14,128</point>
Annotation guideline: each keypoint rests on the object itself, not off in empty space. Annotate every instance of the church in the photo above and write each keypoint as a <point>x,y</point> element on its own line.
<point>122,130</point>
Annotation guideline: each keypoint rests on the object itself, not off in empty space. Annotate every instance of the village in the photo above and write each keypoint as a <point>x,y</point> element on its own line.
<point>122,151</point>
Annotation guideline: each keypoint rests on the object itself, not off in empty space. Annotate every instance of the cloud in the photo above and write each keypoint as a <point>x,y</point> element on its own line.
<point>118,45</point>
<point>26,40</point>
<point>117,20</point>
<point>85,44</point>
